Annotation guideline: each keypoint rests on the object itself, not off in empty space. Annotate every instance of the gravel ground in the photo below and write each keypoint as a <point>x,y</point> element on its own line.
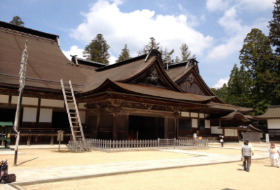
<point>220,176</point>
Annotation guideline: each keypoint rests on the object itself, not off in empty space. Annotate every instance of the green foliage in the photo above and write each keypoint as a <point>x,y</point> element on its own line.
<point>186,53</point>
<point>17,21</point>
<point>274,27</point>
<point>97,50</point>
<point>256,55</point>
<point>124,54</point>
<point>273,76</point>
<point>239,85</point>
<point>221,92</point>
<point>151,45</point>
<point>166,55</point>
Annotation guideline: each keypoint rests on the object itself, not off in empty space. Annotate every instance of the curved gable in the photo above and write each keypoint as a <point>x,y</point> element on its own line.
<point>155,76</point>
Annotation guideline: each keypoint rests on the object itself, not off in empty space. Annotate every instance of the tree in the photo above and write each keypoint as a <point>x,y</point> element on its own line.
<point>97,50</point>
<point>166,55</point>
<point>151,45</point>
<point>221,92</point>
<point>274,27</point>
<point>17,21</point>
<point>239,87</point>
<point>124,55</point>
<point>186,53</point>
<point>256,55</point>
<point>274,37</point>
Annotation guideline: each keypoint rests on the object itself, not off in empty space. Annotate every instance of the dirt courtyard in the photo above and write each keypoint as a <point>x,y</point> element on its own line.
<point>211,177</point>
<point>43,158</point>
<point>228,176</point>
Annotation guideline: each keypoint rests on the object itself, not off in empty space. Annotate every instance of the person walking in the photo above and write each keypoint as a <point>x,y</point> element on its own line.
<point>274,154</point>
<point>247,152</point>
<point>222,140</point>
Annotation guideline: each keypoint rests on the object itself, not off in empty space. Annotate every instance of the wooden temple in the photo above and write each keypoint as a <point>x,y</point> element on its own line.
<point>134,99</point>
<point>272,118</point>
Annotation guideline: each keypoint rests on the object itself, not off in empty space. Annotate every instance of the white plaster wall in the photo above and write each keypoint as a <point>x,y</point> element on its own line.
<point>29,114</point>
<point>14,99</point>
<point>52,103</point>
<point>29,101</point>
<point>207,124</point>
<point>4,99</point>
<point>194,114</point>
<point>185,114</point>
<point>231,132</point>
<point>273,123</point>
<point>201,115</point>
<point>25,101</point>
<point>45,115</point>
<point>194,123</point>
<point>215,130</point>
<point>82,105</point>
<point>83,116</point>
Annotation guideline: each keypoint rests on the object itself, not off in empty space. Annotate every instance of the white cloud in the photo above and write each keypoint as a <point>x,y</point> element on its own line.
<point>236,32</point>
<point>221,82</point>
<point>112,59</point>
<point>221,5</point>
<point>74,50</point>
<point>135,29</point>
<point>215,5</point>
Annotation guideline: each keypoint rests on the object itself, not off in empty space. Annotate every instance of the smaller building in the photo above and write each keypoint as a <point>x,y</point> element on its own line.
<point>272,117</point>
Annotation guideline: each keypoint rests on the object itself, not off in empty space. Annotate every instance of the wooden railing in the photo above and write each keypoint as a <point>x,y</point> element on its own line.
<point>127,145</point>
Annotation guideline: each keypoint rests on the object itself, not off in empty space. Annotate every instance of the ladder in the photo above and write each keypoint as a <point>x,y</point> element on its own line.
<point>73,112</point>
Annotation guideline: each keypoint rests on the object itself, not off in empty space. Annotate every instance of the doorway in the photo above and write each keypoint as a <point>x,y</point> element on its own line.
<point>145,128</point>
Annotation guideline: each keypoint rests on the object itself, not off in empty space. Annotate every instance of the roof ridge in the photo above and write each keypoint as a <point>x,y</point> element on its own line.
<point>7,30</point>
<point>28,30</point>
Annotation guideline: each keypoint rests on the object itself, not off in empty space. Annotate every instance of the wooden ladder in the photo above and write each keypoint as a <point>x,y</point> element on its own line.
<point>73,112</point>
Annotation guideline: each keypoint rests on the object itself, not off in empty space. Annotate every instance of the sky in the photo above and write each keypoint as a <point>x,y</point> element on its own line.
<point>214,30</point>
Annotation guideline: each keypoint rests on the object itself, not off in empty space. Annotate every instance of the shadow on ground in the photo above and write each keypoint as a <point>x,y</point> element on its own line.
<point>27,161</point>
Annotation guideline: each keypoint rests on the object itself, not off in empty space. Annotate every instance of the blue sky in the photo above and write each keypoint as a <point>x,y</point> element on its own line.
<point>214,30</point>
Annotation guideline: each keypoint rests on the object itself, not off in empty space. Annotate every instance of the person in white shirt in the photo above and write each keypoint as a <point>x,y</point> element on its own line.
<point>194,136</point>
<point>274,154</point>
<point>222,140</point>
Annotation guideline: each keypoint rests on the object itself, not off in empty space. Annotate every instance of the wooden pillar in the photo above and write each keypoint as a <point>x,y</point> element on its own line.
<point>52,140</point>
<point>38,112</point>
<point>29,140</point>
<point>165,127</point>
<point>97,124</point>
<point>115,132</point>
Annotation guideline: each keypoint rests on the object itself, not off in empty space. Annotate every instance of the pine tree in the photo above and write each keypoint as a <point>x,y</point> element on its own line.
<point>256,56</point>
<point>17,21</point>
<point>274,37</point>
<point>239,88</point>
<point>151,45</point>
<point>186,53</point>
<point>177,60</point>
<point>221,92</point>
<point>124,55</point>
<point>97,50</point>
<point>166,55</point>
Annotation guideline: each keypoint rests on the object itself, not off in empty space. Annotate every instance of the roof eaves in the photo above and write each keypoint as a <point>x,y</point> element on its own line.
<point>28,30</point>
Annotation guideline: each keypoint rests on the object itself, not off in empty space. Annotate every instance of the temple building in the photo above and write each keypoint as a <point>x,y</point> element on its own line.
<point>134,99</point>
<point>272,118</point>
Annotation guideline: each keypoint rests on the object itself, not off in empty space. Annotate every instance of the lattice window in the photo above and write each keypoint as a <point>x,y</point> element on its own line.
<point>202,125</point>
<point>185,124</point>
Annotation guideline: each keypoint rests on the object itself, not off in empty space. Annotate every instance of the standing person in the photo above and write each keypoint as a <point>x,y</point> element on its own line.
<point>222,140</point>
<point>247,152</point>
<point>194,136</point>
<point>274,154</point>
